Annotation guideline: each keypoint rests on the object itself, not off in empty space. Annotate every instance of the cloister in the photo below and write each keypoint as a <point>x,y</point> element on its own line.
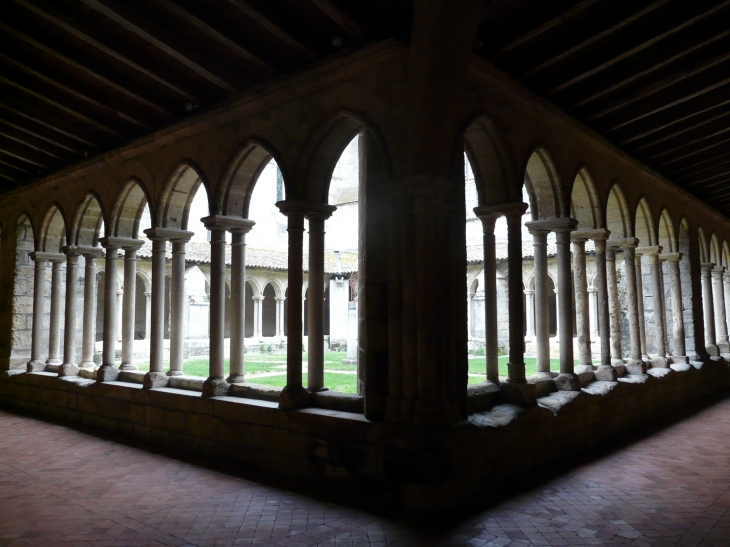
<point>486,220</point>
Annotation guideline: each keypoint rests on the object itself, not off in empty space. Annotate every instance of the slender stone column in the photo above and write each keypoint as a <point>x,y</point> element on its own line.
<point>542,303</point>
<point>120,311</point>
<point>54,333</point>
<point>156,377</point>
<point>257,315</point>
<point>557,316</point>
<point>726,293</point>
<point>108,372</point>
<point>530,310</point>
<point>238,302</point>
<point>582,306</point>
<point>177,302</point>
<point>636,365</point>
<point>129,301</point>
<point>718,297</point>
<point>708,308</point>
<point>315,362</point>
<point>604,370</point>
<point>89,327</point>
<point>652,254</point>
<point>675,288</point>
<point>147,314</point>
<point>640,306</point>
<point>36,362</point>
<point>567,379</point>
<point>614,305</point>
<point>280,316</point>
<point>69,333</point>
<point>489,218</point>
<point>593,313</point>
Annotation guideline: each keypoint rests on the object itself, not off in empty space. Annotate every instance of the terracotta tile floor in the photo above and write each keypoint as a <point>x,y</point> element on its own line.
<point>61,486</point>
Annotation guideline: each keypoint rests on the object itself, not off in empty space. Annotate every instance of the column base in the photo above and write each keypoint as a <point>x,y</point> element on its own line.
<point>567,381</point>
<point>521,394</point>
<point>68,369</point>
<point>215,387</point>
<point>660,362</point>
<point>680,359</point>
<point>107,373</point>
<point>723,347</point>
<point>582,369</point>
<point>153,380</point>
<point>237,379</point>
<point>713,350</point>
<point>635,366</point>
<point>87,364</point>
<point>617,362</point>
<point>36,366</point>
<point>292,399</point>
<point>606,373</point>
<point>542,376</point>
<point>317,389</point>
<point>349,361</point>
<point>54,361</point>
<point>175,373</point>
<point>128,366</point>
<point>516,371</point>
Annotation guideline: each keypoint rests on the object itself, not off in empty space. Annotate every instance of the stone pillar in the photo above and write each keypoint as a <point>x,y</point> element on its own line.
<point>294,395</point>
<point>675,288</point>
<point>147,314</point>
<point>542,304</point>
<point>635,365</point>
<point>257,316</point>
<point>489,218</point>
<point>640,306</point>
<point>108,372</point>
<point>315,358</point>
<point>582,306</point>
<point>130,247</point>
<point>120,312</point>
<point>652,254</point>
<point>593,313</point>
<point>726,293</point>
<point>708,308</point>
<point>156,377</point>
<point>530,310</point>
<point>280,316</point>
<point>89,326</point>
<point>567,379</point>
<point>238,302</point>
<point>177,302</point>
<point>36,362</point>
<point>68,367</point>
<point>54,334</point>
<point>604,371</point>
<point>614,305</point>
<point>718,297</point>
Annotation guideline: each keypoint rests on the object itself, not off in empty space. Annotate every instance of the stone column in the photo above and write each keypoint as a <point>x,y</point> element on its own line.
<point>257,316</point>
<point>567,379</point>
<point>177,302</point>
<point>726,293</point>
<point>238,301</point>
<point>156,377</point>
<point>294,395</point>
<point>604,371</point>
<point>54,333</point>
<point>593,313</point>
<point>635,365</point>
<point>36,362</point>
<point>675,288</point>
<point>640,306</point>
<point>489,218</point>
<point>530,310</point>
<point>582,306</point>
<point>108,372</point>
<point>718,298</point>
<point>542,303</point>
<point>280,316</point>
<point>557,317</point>
<point>131,246</point>
<point>315,362</point>
<point>89,327</point>
<point>147,314</point>
<point>652,254</point>
<point>68,367</point>
<point>708,308</point>
<point>120,312</point>
<point>614,306</point>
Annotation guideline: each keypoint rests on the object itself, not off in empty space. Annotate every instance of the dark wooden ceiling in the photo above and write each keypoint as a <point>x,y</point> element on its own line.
<point>79,77</point>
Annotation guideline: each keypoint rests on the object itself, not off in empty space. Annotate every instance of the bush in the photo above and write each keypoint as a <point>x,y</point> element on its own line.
<point>480,351</point>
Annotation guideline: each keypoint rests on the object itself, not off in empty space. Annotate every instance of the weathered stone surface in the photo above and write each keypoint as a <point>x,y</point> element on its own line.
<point>499,416</point>
<point>680,367</point>
<point>556,401</point>
<point>154,380</point>
<point>292,399</point>
<point>605,373</point>
<point>132,376</point>
<point>600,388</point>
<point>36,366</point>
<point>215,387</point>
<point>107,373</point>
<point>660,362</point>
<point>635,366</point>
<point>518,394</point>
<point>256,391</point>
<point>68,370</point>
<point>659,372</point>
<point>567,382</point>
<point>346,402</point>
<point>192,383</point>
<point>634,378</point>
<point>586,377</point>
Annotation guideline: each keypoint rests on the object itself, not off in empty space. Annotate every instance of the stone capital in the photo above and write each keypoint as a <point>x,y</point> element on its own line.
<point>257,298</point>
<point>50,257</point>
<point>230,224</point>
<point>504,209</point>
<point>88,251</point>
<point>168,234</point>
<point>584,235</point>
<point>305,209</point>
<point>650,250</point>
<point>671,257</point>
<point>625,242</point>
<point>707,266</point>
<point>718,270</point>
<point>71,250</point>
<point>528,292</point>
<point>563,224</point>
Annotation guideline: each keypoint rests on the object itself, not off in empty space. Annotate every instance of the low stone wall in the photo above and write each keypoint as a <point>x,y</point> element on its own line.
<point>417,467</point>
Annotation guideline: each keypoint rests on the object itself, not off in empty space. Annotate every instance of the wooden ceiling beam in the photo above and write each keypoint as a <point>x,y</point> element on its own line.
<point>39,136</point>
<point>8,175</point>
<point>273,29</point>
<point>704,186</point>
<point>29,143</point>
<point>75,93</point>
<point>542,29</point>
<point>694,152</point>
<point>63,108</point>
<point>148,37</point>
<point>696,172</point>
<point>79,34</point>
<point>50,126</point>
<point>218,36</point>
<point>15,167</point>
<point>23,154</point>
<point>681,132</point>
<point>638,49</point>
<point>86,70</point>
<point>341,19</point>
<point>685,144</point>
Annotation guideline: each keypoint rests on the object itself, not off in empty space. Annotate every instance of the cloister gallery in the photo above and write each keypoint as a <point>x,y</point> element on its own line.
<point>407,202</point>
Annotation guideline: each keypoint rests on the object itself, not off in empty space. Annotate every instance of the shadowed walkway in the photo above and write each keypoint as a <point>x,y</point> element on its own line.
<point>60,486</point>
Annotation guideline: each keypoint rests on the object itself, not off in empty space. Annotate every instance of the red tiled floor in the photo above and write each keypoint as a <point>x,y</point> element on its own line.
<point>65,487</point>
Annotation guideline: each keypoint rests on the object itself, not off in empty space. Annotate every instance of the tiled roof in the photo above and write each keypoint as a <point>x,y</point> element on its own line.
<point>475,253</point>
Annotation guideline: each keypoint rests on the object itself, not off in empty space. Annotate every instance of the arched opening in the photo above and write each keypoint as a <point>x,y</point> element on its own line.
<point>22,294</point>
<point>100,284</point>
<point>141,311</point>
<point>268,312</point>
<point>249,311</point>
